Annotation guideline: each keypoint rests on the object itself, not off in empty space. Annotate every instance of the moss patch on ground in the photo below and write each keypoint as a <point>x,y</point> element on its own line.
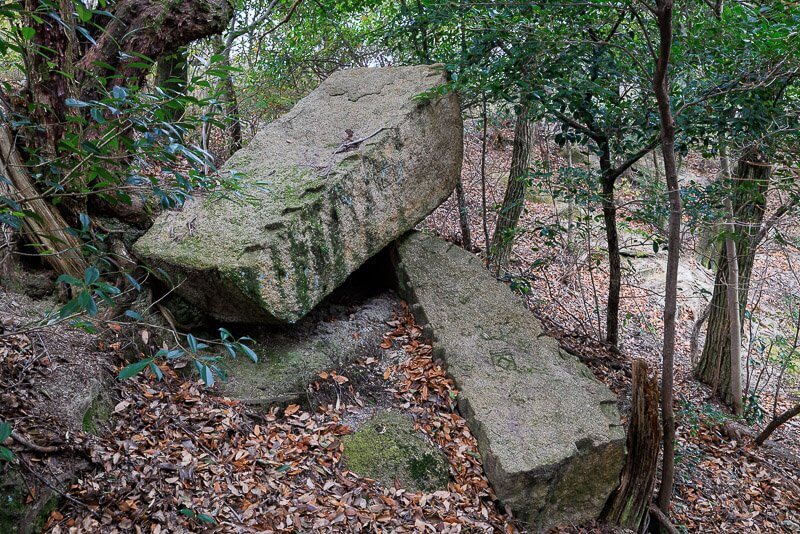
<point>387,448</point>
<point>96,416</point>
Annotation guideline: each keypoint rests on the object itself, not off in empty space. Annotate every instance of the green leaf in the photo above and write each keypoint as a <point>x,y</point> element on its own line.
<point>192,341</point>
<point>91,275</point>
<point>133,315</point>
<point>27,33</point>
<point>74,103</point>
<point>207,375</point>
<point>67,279</point>
<point>134,369</point>
<point>156,371</point>
<point>205,518</point>
<point>249,352</point>
<point>6,455</point>
<point>5,431</point>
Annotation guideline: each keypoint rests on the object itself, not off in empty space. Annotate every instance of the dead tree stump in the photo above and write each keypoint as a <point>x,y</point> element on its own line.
<point>629,503</point>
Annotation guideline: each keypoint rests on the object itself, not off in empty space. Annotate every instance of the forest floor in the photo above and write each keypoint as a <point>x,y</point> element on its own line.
<point>176,457</point>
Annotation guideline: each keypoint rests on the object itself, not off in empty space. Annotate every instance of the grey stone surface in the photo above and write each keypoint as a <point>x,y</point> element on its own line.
<point>291,358</point>
<point>549,433</point>
<point>388,449</point>
<point>314,209</point>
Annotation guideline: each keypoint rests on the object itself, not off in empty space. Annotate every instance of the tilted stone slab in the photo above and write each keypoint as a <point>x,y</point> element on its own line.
<point>549,432</point>
<point>352,166</point>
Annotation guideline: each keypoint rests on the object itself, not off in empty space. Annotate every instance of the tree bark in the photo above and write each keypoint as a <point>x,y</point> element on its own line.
<point>150,28</point>
<point>463,216</point>
<point>629,503</point>
<point>732,293</point>
<point>612,242</point>
<point>663,13</point>
<point>514,199</point>
<point>777,422</point>
<point>60,65</point>
<point>230,100</point>
<point>748,194</point>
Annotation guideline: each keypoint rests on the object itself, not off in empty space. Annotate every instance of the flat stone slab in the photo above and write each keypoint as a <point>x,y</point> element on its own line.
<point>549,432</point>
<point>354,165</point>
<point>388,449</point>
<point>292,358</point>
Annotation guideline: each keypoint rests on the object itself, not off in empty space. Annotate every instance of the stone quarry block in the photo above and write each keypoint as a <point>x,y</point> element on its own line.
<point>549,433</point>
<point>355,164</point>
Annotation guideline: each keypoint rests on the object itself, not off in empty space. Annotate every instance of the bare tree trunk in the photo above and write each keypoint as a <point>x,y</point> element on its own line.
<point>733,314</point>
<point>629,503</point>
<point>777,422</point>
<point>612,243</point>
<point>663,12</point>
<point>229,98</point>
<point>463,216</point>
<point>483,179</point>
<point>514,199</point>
<point>748,203</point>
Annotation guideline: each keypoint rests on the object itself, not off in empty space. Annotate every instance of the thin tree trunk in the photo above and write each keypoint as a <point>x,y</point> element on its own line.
<point>229,98</point>
<point>463,216</point>
<point>483,179</point>
<point>733,315</point>
<point>748,194</point>
<point>661,87</point>
<point>612,242</point>
<point>629,503</point>
<point>514,199</point>
<point>777,422</point>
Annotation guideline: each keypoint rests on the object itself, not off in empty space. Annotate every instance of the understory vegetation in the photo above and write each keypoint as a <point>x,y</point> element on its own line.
<point>631,171</point>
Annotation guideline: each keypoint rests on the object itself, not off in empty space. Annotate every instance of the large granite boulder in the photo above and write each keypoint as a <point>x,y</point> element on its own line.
<point>352,166</point>
<point>549,433</point>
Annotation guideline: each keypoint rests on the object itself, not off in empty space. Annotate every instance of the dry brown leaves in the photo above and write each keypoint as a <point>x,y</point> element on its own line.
<point>182,459</point>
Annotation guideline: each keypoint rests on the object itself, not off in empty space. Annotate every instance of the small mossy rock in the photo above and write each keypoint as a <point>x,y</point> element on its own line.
<point>388,449</point>
<point>351,167</point>
<point>548,431</point>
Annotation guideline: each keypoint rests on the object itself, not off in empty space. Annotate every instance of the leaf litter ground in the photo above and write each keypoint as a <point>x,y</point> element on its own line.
<point>180,458</point>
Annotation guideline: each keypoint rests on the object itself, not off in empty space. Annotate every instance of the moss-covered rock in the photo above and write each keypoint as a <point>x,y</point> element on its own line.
<point>388,449</point>
<point>292,358</point>
<point>314,209</point>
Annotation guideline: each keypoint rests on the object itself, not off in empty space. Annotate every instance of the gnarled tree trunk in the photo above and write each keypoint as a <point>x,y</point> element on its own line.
<point>62,63</point>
